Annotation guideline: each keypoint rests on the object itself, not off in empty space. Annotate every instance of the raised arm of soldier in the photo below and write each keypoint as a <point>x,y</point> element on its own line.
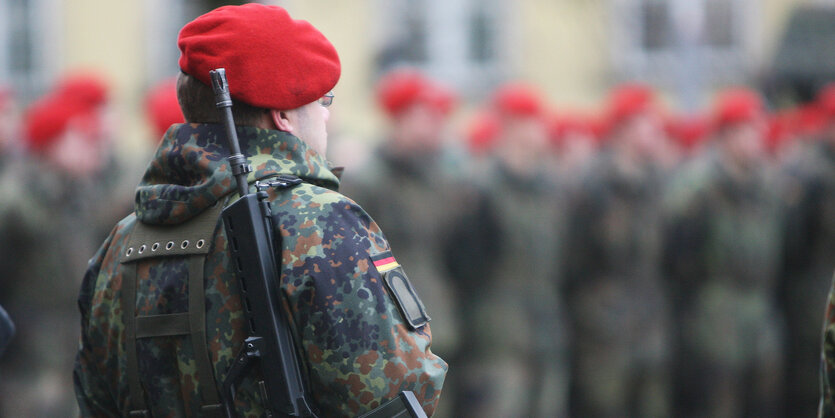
<point>362,339</point>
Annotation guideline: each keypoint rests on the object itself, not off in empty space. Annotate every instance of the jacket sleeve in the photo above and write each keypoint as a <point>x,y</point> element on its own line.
<point>358,349</point>
<point>92,392</point>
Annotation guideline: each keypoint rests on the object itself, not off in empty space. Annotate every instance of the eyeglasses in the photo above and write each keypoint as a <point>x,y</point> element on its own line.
<point>327,99</point>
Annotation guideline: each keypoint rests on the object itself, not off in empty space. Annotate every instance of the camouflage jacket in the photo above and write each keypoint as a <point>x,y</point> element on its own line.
<point>357,350</point>
<point>827,374</point>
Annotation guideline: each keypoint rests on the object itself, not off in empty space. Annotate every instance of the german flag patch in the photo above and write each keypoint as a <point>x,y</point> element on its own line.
<point>384,262</point>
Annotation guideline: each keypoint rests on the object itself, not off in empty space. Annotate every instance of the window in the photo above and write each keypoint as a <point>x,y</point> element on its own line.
<point>667,41</point>
<point>459,42</point>
<point>29,45</point>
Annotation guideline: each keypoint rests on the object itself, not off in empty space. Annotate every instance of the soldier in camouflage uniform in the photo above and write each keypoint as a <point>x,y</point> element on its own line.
<point>810,258</point>
<point>618,303</point>
<point>724,243</point>
<point>514,342</point>
<point>356,349</point>
<point>412,190</point>
<point>50,222</point>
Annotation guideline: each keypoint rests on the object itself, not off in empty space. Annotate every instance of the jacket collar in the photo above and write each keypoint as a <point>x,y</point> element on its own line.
<point>189,171</point>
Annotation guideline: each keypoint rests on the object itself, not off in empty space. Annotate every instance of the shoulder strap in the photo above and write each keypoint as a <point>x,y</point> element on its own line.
<point>191,240</point>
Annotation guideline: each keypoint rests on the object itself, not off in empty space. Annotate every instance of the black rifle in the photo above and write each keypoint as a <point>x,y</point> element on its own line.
<point>249,231</point>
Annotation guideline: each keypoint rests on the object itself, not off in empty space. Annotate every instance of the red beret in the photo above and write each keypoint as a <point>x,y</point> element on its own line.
<point>564,123</point>
<point>271,60</point>
<point>810,119</point>
<point>86,88</point>
<point>162,107</point>
<point>688,131</point>
<point>404,87</point>
<point>517,99</point>
<point>781,128</point>
<point>627,101</point>
<point>482,131</point>
<point>49,117</point>
<point>736,106</point>
<point>826,100</point>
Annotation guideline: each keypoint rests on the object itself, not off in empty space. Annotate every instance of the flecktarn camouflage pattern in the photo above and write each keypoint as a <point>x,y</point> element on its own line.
<point>357,350</point>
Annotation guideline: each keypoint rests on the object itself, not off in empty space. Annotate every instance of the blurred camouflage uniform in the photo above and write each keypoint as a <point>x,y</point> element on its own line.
<point>618,304</point>
<point>514,357</point>
<point>50,223</point>
<point>355,347</point>
<point>724,243</point>
<point>810,257</point>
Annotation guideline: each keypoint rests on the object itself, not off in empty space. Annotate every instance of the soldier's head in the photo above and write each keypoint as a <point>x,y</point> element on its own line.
<point>572,138</point>
<point>521,113</point>
<point>281,71</point>
<point>70,127</point>
<point>634,122</point>
<point>739,120</point>
<point>417,108</point>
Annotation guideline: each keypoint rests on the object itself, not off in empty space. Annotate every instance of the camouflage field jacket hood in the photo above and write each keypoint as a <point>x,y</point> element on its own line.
<point>357,350</point>
<point>189,171</point>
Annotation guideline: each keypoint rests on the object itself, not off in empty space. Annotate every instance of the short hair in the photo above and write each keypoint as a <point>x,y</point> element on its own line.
<point>197,101</point>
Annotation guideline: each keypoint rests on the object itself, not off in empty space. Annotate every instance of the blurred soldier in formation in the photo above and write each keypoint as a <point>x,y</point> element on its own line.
<point>53,217</point>
<point>574,142</point>
<point>480,134</point>
<point>514,359</point>
<point>412,190</point>
<point>689,132</point>
<point>617,300</point>
<point>724,243</point>
<point>810,258</point>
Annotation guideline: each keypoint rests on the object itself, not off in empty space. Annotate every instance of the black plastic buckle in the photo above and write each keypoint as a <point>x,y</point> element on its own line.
<point>280,182</point>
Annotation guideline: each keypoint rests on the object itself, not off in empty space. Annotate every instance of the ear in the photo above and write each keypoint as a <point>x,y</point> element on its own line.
<point>282,123</point>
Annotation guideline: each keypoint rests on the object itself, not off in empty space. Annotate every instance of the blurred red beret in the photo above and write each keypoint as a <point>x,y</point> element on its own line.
<point>564,123</point>
<point>49,117</point>
<point>482,131</point>
<point>826,100</point>
<point>271,60</point>
<point>404,87</point>
<point>810,119</point>
<point>781,127</point>
<point>162,107</point>
<point>74,97</point>
<point>87,88</point>
<point>688,131</point>
<point>738,105</point>
<point>628,100</point>
<point>517,100</point>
